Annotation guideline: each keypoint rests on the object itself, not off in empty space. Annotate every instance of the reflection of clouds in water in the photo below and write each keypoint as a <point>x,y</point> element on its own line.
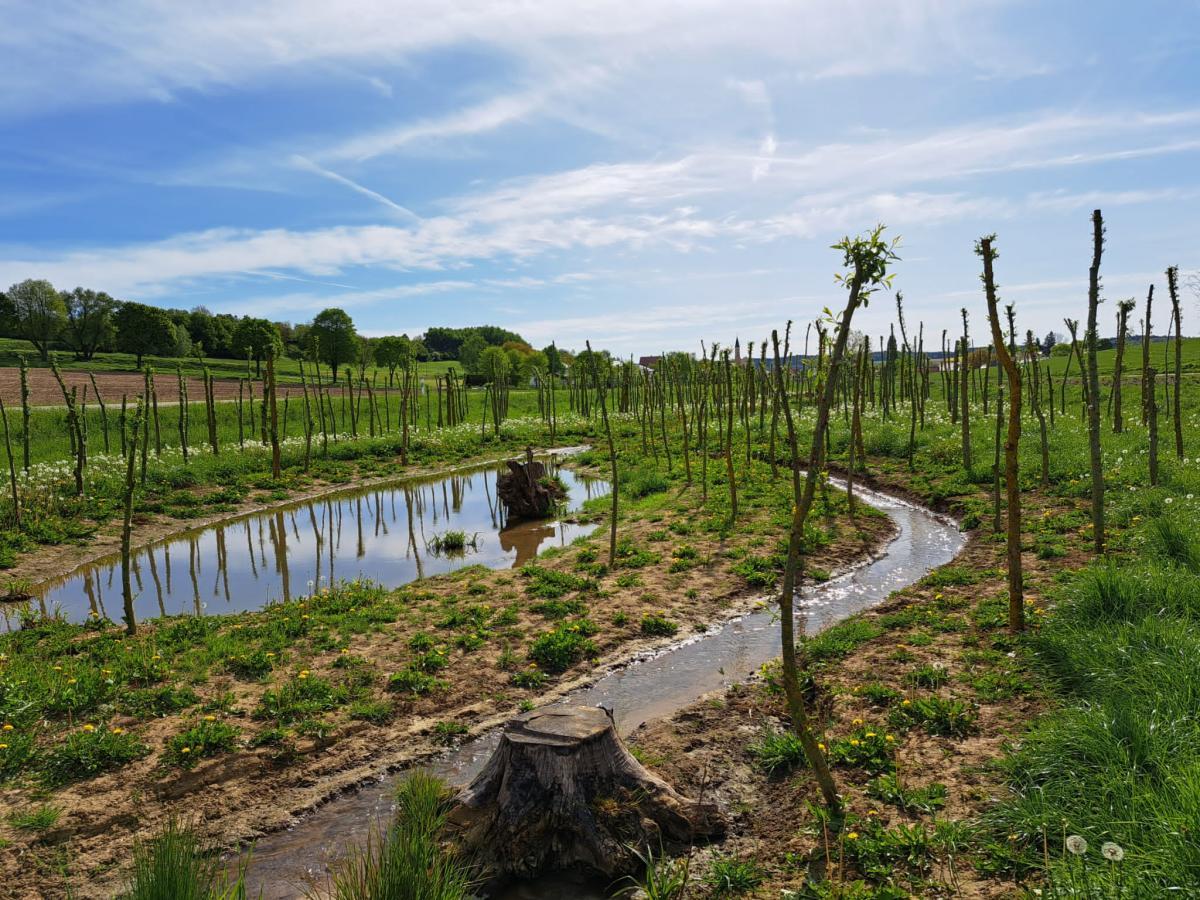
<point>380,534</point>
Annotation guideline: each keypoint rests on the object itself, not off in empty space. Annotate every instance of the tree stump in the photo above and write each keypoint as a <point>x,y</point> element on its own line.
<point>562,792</point>
<point>526,489</point>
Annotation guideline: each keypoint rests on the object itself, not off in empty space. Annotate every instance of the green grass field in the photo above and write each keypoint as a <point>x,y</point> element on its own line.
<point>288,369</point>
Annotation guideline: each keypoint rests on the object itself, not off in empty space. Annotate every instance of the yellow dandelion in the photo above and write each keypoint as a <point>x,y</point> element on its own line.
<point>3,746</point>
<point>852,836</point>
<point>185,749</point>
<point>854,742</point>
<point>870,734</point>
<point>210,718</point>
<point>89,728</point>
<point>7,727</point>
<point>888,738</point>
<point>906,703</point>
<point>857,722</point>
<point>118,730</point>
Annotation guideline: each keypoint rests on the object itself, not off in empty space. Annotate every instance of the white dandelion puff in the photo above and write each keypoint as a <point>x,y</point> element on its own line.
<point>1076,844</point>
<point>1112,852</point>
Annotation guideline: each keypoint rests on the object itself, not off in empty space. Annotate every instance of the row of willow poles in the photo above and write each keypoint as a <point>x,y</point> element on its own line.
<point>690,411</point>
<point>684,404</point>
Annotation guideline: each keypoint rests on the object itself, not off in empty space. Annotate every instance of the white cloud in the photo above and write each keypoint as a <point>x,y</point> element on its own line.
<point>153,49</point>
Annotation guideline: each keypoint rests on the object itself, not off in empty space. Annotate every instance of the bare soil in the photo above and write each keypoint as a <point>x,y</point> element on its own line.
<point>44,389</point>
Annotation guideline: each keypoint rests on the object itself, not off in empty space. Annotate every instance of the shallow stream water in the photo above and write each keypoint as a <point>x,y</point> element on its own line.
<point>292,862</point>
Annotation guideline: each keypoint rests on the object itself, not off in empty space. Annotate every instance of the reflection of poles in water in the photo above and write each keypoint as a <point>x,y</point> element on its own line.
<point>319,534</point>
<point>295,527</point>
<point>412,533</point>
<point>279,542</point>
<point>283,557</point>
<point>250,550</point>
<point>361,549</point>
<point>158,590</point>
<point>525,540</point>
<point>223,561</point>
<point>99,596</point>
<point>167,564</point>
<point>456,491</point>
<point>262,545</point>
<point>491,509</point>
<point>137,574</point>
<point>336,512</point>
<point>445,500</point>
<point>333,541</point>
<point>193,573</point>
<point>90,591</point>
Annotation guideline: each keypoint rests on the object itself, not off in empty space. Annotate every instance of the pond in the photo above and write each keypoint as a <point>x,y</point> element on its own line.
<point>384,533</point>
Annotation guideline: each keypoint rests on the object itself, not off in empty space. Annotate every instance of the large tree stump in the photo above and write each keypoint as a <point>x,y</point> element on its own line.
<point>561,791</point>
<point>526,489</point>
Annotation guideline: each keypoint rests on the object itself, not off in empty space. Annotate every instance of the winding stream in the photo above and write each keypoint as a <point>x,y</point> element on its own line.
<point>290,863</point>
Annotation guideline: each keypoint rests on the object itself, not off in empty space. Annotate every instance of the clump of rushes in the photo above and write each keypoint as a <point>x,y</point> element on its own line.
<point>174,864</point>
<point>452,543</point>
<point>409,858</point>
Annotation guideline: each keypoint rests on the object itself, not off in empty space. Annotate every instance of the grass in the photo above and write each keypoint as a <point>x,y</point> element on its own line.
<point>35,818</point>
<point>408,858</point>
<point>174,865</point>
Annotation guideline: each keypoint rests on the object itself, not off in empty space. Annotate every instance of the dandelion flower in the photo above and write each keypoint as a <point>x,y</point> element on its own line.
<point>854,742</point>
<point>210,718</point>
<point>185,749</point>
<point>7,727</point>
<point>852,836</point>
<point>1076,845</point>
<point>1112,852</point>
<point>89,728</point>
<point>906,703</point>
<point>870,734</point>
<point>857,721</point>
<point>3,746</point>
<point>888,738</point>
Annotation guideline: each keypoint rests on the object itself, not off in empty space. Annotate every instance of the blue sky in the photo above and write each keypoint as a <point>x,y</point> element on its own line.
<point>644,174</point>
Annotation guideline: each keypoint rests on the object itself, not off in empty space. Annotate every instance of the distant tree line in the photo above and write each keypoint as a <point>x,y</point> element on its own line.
<point>86,322</point>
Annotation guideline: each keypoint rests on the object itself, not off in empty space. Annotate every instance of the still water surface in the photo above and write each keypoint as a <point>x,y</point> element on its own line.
<point>381,533</point>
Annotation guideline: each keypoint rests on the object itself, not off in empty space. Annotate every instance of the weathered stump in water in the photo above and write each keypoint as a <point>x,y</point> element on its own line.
<point>527,490</point>
<point>562,792</point>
